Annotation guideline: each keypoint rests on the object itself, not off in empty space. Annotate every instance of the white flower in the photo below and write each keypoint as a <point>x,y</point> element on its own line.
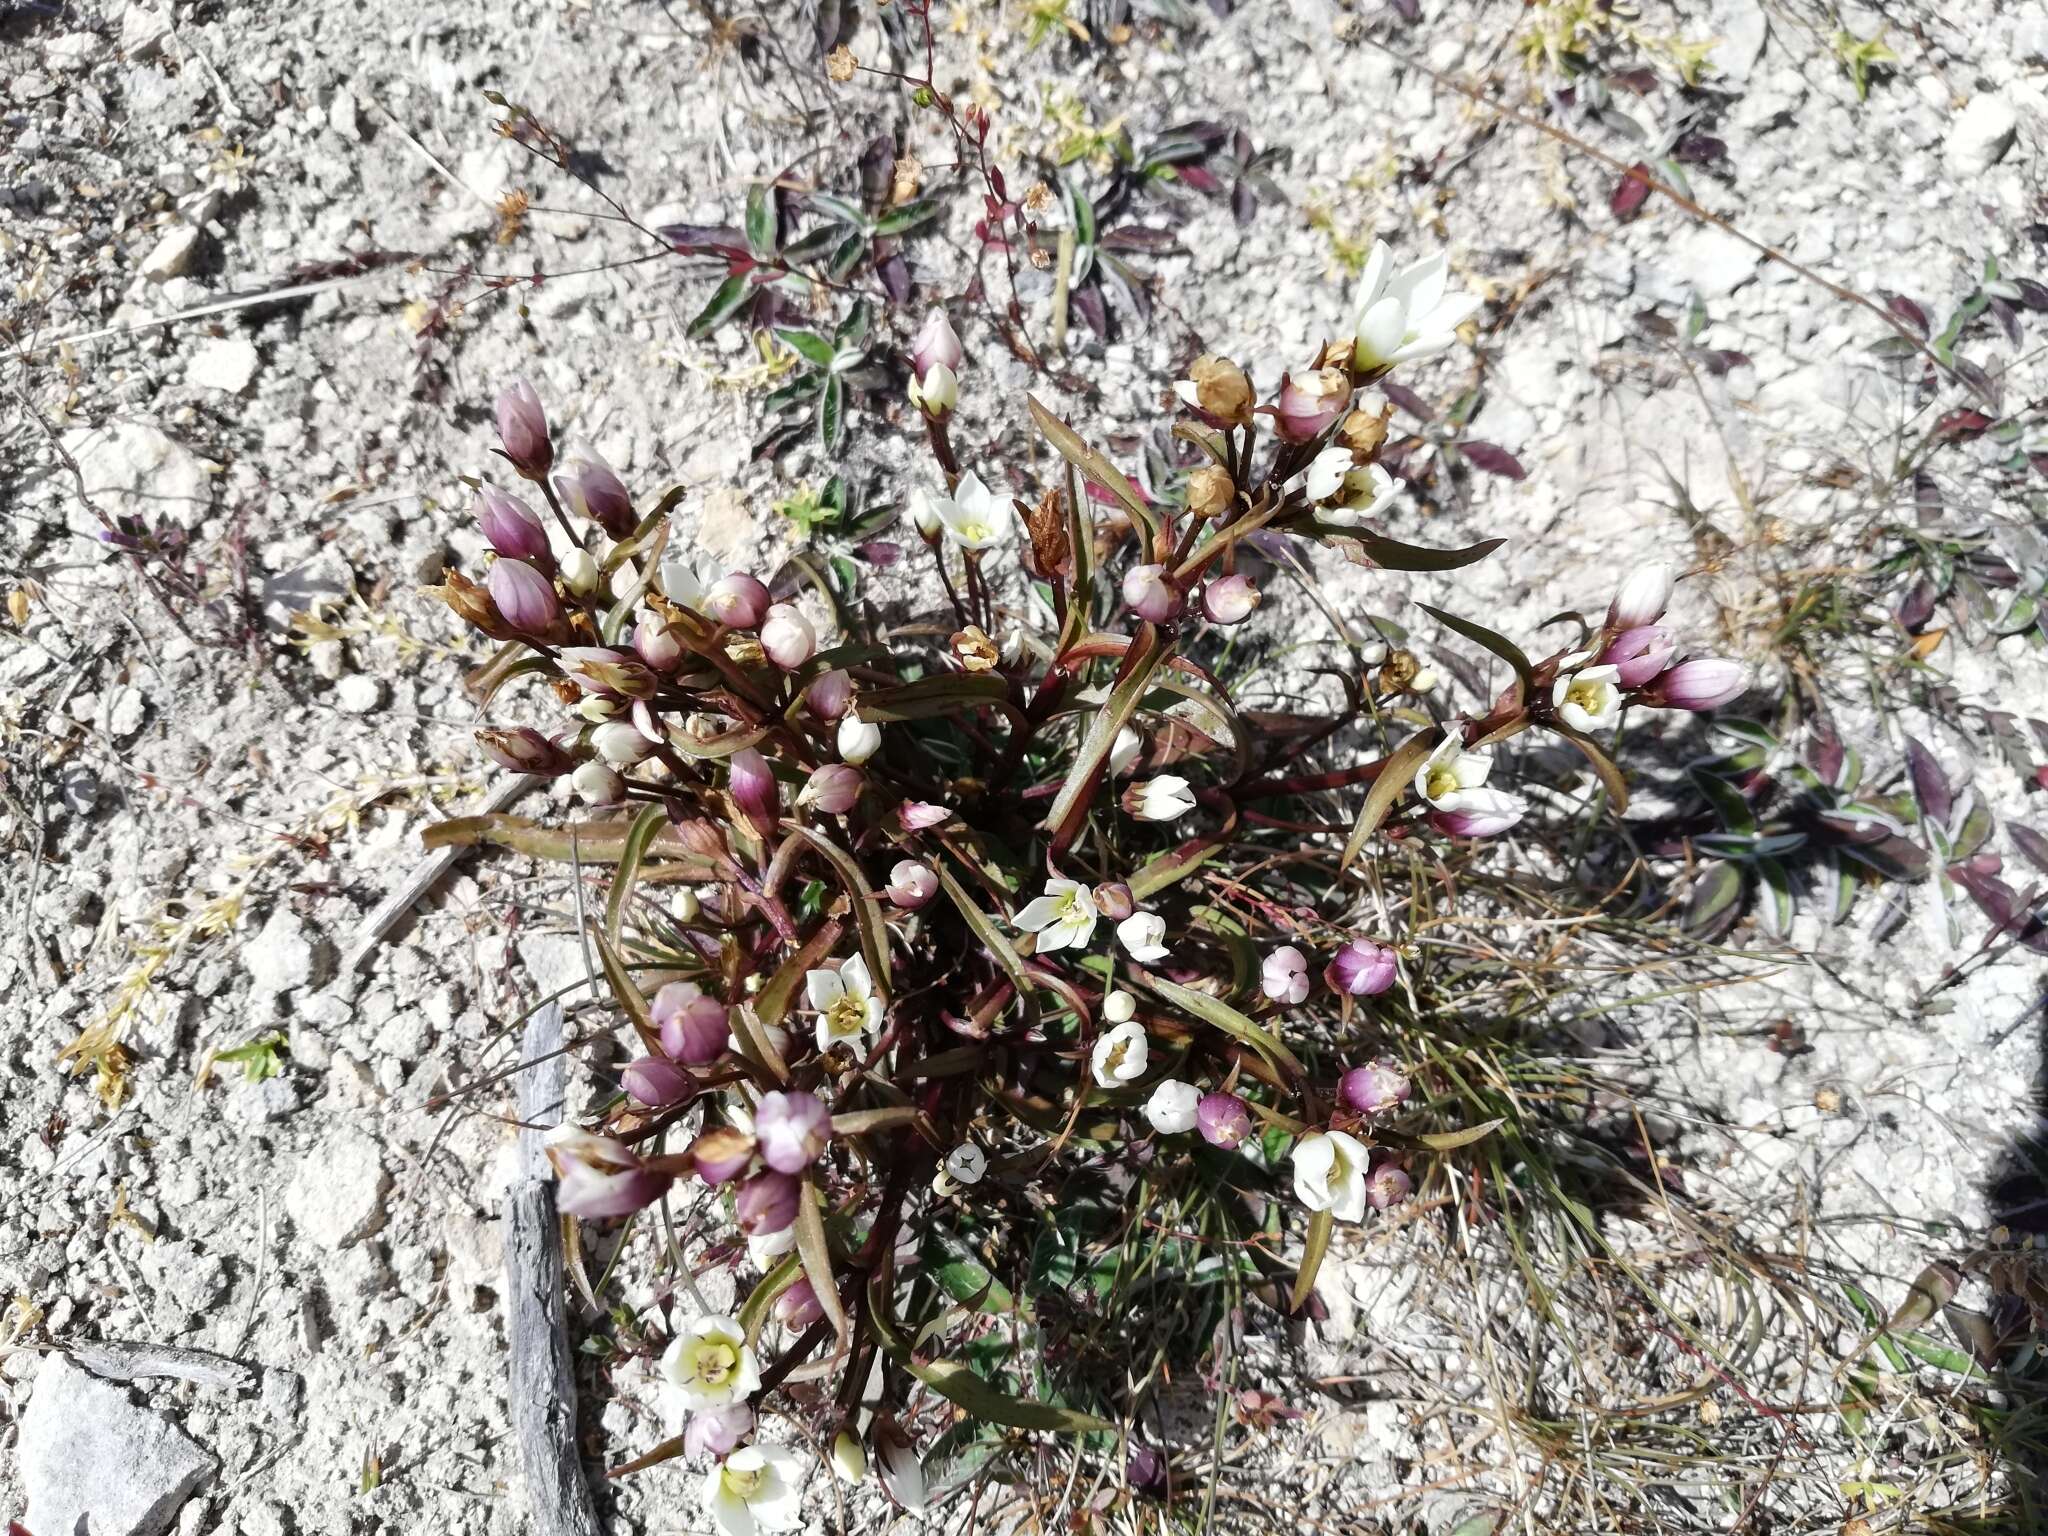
<point>1141,933</point>
<point>1188,392</point>
<point>1124,751</point>
<point>1329,1174</point>
<point>756,1488</point>
<point>1119,1056</point>
<point>681,582</point>
<point>1326,473</point>
<point>939,391</point>
<point>1063,918</point>
<point>848,1006</point>
<point>974,516</point>
<point>1165,798</point>
<point>1171,1109</point>
<point>1450,768</point>
<point>1367,493</point>
<point>902,1472</point>
<point>1406,314</point>
<point>765,1252</point>
<point>709,1364</point>
<point>1588,699</point>
<point>967,1163</point>
<point>924,513</point>
<point>1119,1007</point>
<point>859,739</point>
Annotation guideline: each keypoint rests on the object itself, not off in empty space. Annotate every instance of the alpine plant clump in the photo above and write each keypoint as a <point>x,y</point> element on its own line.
<point>974,922</point>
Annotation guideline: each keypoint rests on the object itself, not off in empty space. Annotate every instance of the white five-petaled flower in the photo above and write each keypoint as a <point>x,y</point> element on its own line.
<point>1120,1055</point>
<point>709,1364</point>
<point>1327,472</point>
<point>681,582</point>
<point>848,1006</point>
<point>974,516</point>
<point>1141,934</point>
<point>1329,1174</point>
<point>756,1488</point>
<point>1171,1109</point>
<point>1586,699</point>
<point>1406,314</point>
<point>1166,798</point>
<point>967,1163</point>
<point>1063,918</point>
<point>1452,783</point>
<point>1367,493</point>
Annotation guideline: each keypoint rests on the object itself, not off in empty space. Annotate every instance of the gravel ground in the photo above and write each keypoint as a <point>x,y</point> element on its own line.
<point>250,254</point>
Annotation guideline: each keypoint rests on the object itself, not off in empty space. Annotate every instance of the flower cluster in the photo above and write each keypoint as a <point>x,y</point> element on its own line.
<point>951,886</point>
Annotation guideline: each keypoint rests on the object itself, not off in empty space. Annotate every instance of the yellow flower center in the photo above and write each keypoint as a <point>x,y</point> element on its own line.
<point>1442,780</point>
<point>715,1361</point>
<point>974,532</point>
<point>1340,1165</point>
<point>1589,696</point>
<point>846,1018</point>
<point>745,1482</point>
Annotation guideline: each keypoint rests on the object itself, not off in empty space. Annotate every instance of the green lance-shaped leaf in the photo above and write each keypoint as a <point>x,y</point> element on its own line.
<point>992,938</point>
<point>753,1313</point>
<point>1394,778</point>
<point>867,912</point>
<point>1603,765</point>
<point>1213,1010</point>
<point>1094,467</point>
<point>761,219</point>
<point>1070,805</point>
<point>726,302</point>
<point>1320,1227</point>
<point>645,825</point>
<point>627,991</point>
<point>1393,555</point>
<point>943,694</point>
<point>1499,644</point>
<point>808,345</point>
<point>816,1254</point>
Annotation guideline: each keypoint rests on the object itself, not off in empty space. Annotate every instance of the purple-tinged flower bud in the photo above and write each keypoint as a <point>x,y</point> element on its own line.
<point>832,790</point>
<point>656,1082</point>
<point>1707,682</point>
<point>718,1431</point>
<point>512,530</point>
<point>524,598</point>
<point>738,601</point>
<point>620,743</point>
<point>792,1130</point>
<point>1283,976</point>
<point>916,815</point>
<point>1479,813</point>
<point>754,792</point>
<point>525,750</point>
<point>1387,1186</point>
<point>1145,1471</point>
<point>1642,599</point>
<point>798,1307</point>
<point>1229,599</point>
<point>830,695</point>
<point>598,1176</point>
<point>523,431</point>
<point>590,487</point>
<point>1639,654</point>
<point>1113,899</point>
<point>600,669</point>
<point>693,1026</point>
<point>598,784</point>
<point>1223,1119</point>
<point>936,344</point>
<point>787,637</point>
<point>1308,407</point>
<point>766,1203</point>
<point>937,393</point>
<point>1369,1089</point>
<point>1149,595</point>
<point>1361,969</point>
<point>722,1154</point>
<point>655,642</point>
<point>911,885</point>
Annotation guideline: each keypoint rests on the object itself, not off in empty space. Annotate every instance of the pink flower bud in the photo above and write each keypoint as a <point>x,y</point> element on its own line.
<point>620,743</point>
<point>718,1431</point>
<point>1283,976</point>
<point>525,750</point>
<point>523,431</point>
<point>656,644</point>
<point>766,1203</point>
<point>512,530</point>
<point>599,1177</point>
<point>693,1027</point>
<point>1707,682</point>
<point>1491,814</point>
<point>1223,1119</point>
<point>754,792</point>
<point>722,1155</point>
<point>1361,969</point>
<point>798,1307</point>
<point>911,885</point>
<point>1388,1186</point>
<point>1642,599</point>
<point>787,637</point>
<point>832,790</point>
<point>524,598</point>
<point>1369,1089</point>
<point>936,345</point>
<point>1149,595</point>
<point>792,1130</point>
<point>1113,899</point>
<point>831,695</point>
<point>600,669</point>
<point>738,601</point>
<point>916,815</point>
<point>1145,1471</point>
<point>1229,599</point>
<point>598,784</point>
<point>1639,654</point>
<point>1308,407</point>
<point>657,1082</point>
<point>590,488</point>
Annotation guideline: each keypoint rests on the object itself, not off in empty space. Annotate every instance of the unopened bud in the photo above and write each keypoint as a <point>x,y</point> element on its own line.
<point>1387,1186</point>
<point>798,1307</point>
<point>589,486</point>
<point>620,743</point>
<point>1705,683</point>
<point>523,431</point>
<point>721,1154</point>
<point>792,1130</point>
<point>512,529</point>
<point>1639,654</point>
<point>787,637</point>
<point>598,783</point>
<point>754,794</point>
<point>859,739</point>
<point>1229,599</point>
<point>1119,1007</point>
<point>738,601</point>
<point>1370,1089</point>
<point>833,789</point>
<point>718,1431</point>
<point>911,885</point>
<point>849,1458</point>
<point>524,750</point>
<point>766,1203</point>
<point>1211,493</point>
<point>580,573</point>
<point>1114,900</point>
<point>1643,597</point>
<point>523,597</point>
<point>1149,595</point>
<point>830,695</point>
<point>692,1025</point>
<point>1309,406</point>
<point>936,345</point>
<point>656,644</point>
<point>937,394</point>
<point>1223,1119</point>
<point>924,515</point>
<point>1361,969</point>
<point>657,1083</point>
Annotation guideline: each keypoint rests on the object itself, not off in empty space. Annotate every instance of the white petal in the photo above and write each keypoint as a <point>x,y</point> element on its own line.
<point>823,988</point>
<point>1451,313</point>
<point>1380,331</point>
<point>1040,912</point>
<point>853,971</point>
<point>1420,285</point>
<point>1374,281</point>
<point>1189,392</point>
